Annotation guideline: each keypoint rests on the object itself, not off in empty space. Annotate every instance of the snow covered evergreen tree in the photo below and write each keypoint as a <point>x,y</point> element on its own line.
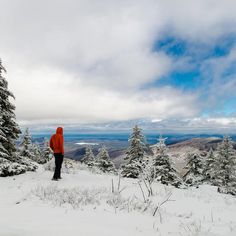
<point>9,130</point>
<point>225,176</point>
<point>10,162</point>
<point>210,167</point>
<point>194,174</point>
<point>89,158</point>
<point>33,151</point>
<point>103,161</point>
<point>161,166</point>
<point>26,145</point>
<point>37,155</point>
<point>134,159</point>
<point>47,152</point>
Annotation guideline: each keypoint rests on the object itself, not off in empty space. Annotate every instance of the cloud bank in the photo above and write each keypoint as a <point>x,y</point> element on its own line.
<point>90,61</point>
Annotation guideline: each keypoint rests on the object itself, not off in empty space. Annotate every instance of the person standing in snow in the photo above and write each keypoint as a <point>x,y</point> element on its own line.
<point>57,145</point>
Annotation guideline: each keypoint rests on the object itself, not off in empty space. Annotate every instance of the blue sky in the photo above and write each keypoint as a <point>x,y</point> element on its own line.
<point>193,78</point>
<point>116,61</point>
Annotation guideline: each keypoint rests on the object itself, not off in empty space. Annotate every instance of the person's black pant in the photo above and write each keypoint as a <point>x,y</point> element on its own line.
<point>58,164</point>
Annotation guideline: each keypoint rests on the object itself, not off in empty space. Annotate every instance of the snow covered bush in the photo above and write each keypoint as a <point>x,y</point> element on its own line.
<point>78,197</point>
<point>75,197</point>
<point>8,168</point>
<point>70,166</point>
<point>29,165</point>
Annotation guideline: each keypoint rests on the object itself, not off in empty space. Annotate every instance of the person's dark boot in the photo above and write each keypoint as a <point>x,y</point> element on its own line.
<point>54,179</point>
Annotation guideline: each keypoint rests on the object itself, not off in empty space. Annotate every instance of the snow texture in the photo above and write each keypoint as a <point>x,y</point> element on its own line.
<point>83,203</point>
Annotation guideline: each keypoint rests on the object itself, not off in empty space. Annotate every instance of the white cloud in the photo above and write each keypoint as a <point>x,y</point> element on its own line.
<point>61,99</point>
<point>202,20</point>
<point>88,61</point>
<point>220,84</point>
<point>226,125</point>
<point>222,121</point>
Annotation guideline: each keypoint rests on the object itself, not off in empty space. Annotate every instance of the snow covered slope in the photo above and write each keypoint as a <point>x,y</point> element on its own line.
<point>83,203</point>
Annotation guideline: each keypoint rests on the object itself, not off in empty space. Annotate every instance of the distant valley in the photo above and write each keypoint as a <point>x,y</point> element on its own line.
<point>116,143</point>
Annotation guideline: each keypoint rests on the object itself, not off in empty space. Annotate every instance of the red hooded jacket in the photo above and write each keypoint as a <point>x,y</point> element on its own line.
<point>57,141</point>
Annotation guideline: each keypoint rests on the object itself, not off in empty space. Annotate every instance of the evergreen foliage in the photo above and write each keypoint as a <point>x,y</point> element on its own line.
<point>10,162</point>
<point>225,176</point>
<point>9,130</point>
<point>33,151</point>
<point>36,153</point>
<point>47,152</point>
<point>103,161</point>
<point>194,174</point>
<point>8,168</point>
<point>161,166</point>
<point>134,159</point>
<point>26,145</point>
<point>89,158</point>
<point>210,167</point>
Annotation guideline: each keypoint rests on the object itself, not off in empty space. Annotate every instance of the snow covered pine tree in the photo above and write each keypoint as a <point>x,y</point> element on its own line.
<point>225,176</point>
<point>9,129</point>
<point>47,152</point>
<point>37,153</point>
<point>89,158</point>
<point>194,174</point>
<point>10,162</point>
<point>103,161</point>
<point>210,167</point>
<point>33,151</point>
<point>26,145</point>
<point>161,167</point>
<point>135,155</point>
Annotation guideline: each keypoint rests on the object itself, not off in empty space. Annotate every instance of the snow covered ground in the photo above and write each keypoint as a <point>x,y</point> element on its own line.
<point>82,203</point>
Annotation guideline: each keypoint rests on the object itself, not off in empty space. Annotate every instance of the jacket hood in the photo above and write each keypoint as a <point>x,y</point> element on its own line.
<point>59,130</point>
